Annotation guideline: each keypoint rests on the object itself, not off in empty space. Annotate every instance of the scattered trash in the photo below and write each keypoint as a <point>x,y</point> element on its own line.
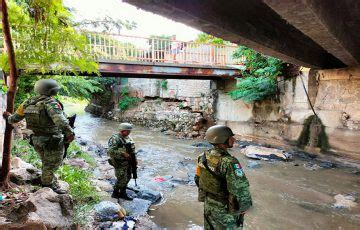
<point>253,164</point>
<point>342,201</point>
<point>264,153</point>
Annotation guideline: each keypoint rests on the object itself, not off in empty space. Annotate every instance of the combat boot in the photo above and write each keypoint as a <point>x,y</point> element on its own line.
<point>115,194</point>
<point>124,195</point>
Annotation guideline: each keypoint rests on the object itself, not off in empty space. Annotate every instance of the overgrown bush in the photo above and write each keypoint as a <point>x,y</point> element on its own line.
<point>126,101</point>
<point>259,75</point>
<point>252,89</point>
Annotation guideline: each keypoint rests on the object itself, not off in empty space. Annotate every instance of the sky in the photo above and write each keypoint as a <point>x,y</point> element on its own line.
<point>147,23</point>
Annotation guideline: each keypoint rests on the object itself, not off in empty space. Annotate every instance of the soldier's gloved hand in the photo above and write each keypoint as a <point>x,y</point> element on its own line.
<point>70,138</point>
<point>6,114</point>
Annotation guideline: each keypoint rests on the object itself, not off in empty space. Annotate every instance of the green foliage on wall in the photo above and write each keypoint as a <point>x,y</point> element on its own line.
<point>163,84</point>
<point>126,101</point>
<point>259,75</point>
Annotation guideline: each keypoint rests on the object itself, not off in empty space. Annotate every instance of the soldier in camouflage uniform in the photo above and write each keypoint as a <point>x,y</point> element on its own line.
<point>45,117</point>
<point>223,186</point>
<point>121,159</point>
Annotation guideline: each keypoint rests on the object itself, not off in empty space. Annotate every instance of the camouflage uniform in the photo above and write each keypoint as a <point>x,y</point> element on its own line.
<point>224,188</point>
<point>45,117</point>
<point>120,159</point>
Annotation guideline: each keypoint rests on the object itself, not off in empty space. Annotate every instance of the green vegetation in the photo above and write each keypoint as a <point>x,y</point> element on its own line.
<point>81,188</point>
<point>163,84</point>
<point>259,76</point>
<point>126,101</point>
<point>207,38</point>
<point>22,149</point>
<point>304,138</point>
<point>3,89</point>
<point>74,151</point>
<point>45,40</point>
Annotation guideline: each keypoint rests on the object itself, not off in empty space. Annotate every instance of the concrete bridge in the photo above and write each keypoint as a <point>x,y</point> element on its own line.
<point>311,33</point>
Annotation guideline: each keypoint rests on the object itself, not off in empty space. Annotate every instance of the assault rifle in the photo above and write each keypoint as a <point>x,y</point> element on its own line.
<point>133,161</point>
<point>71,123</point>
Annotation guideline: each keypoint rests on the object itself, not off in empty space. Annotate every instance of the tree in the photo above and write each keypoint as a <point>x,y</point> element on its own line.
<point>4,176</point>
<point>44,39</point>
<point>207,38</point>
<point>259,75</point>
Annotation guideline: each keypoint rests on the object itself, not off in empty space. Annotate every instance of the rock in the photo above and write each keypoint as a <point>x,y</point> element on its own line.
<point>150,195</point>
<point>194,134</point>
<point>78,162</point>
<point>342,202</point>
<point>170,132</point>
<point>17,163</point>
<point>23,176</point>
<point>107,210</point>
<point>264,153</point>
<point>356,172</point>
<point>46,207</point>
<point>64,185</point>
<point>103,185</point>
<point>253,164</point>
<point>311,166</point>
<point>304,155</point>
<point>137,207</point>
<point>202,145</point>
<point>327,165</point>
<point>82,142</point>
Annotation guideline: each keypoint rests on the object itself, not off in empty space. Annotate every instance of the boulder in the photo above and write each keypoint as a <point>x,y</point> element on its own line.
<point>150,195</point>
<point>45,207</point>
<point>103,185</point>
<point>137,207</point>
<point>17,163</point>
<point>107,210</point>
<point>78,162</point>
<point>25,175</point>
<point>344,202</point>
<point>264,153</point>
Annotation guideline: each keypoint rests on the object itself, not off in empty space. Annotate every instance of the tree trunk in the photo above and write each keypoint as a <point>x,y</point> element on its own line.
<point>12,82</point>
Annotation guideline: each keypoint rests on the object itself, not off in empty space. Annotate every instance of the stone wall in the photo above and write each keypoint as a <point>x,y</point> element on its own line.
<point>335,95</point>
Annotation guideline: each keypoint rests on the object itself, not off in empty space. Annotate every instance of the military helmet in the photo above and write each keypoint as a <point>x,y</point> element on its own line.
<point>47,87</point>
<point>125,126</point>
<point>218,134</point>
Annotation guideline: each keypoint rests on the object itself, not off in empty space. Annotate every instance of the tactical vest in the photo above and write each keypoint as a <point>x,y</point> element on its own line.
<point>37,118</point>
<point>211,181</point>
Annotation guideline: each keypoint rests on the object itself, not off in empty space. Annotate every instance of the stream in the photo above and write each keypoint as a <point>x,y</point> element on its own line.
<point>286,195</point>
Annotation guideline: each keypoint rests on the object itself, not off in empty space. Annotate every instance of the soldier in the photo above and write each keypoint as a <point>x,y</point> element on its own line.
<point>45,117</point>
<point>223,186</point>
<point>122,157</point>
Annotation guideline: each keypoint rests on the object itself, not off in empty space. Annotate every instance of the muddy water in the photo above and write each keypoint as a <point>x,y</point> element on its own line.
<point>285,196</point>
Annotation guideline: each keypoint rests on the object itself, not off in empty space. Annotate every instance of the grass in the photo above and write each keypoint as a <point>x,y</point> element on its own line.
<point>81,187</point>
<point>22,149</point>
<point>74,151</point>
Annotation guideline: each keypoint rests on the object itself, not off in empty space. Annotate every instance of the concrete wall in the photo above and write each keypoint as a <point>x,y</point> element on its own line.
<point>335,95</point>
